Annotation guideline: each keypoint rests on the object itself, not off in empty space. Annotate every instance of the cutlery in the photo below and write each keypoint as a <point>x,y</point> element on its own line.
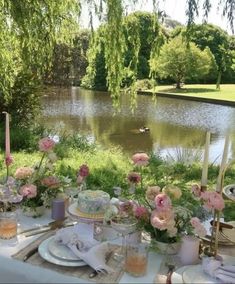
<point>30,253</point>
<point>51,228</point>
<point>43,226</point>
<point>222,225</point>
<point>96,272</point>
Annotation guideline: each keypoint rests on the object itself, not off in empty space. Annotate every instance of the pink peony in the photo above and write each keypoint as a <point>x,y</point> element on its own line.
<point>213,200</point>
<point>162,220</point>
<point>140,159</point>
<point>8,160</point>
<point>162,202</point>
<point>152,192</point>
<point>196,190</point>
<point>51,182</point>
<point>83,171</point>
<point>46,144</point>
<point>28,190</point>
<point>134,177</point>
<point>23,172</point>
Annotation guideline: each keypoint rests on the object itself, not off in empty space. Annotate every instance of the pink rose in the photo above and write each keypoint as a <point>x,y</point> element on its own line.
<point>28,190</point>
<point>213,200</point>
<point>46,144</point>
<point>140,159</point>
<point>162,220</point>
<point>83,171</point>
<point>51,182</point>
<point>162,202</point>
<point>134,177</point>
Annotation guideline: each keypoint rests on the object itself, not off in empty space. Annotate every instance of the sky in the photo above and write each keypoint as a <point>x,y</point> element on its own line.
<point>176,10</point>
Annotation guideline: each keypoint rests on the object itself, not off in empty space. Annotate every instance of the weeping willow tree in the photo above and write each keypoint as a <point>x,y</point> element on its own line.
<point>112,12</point>
<point>29,30</point>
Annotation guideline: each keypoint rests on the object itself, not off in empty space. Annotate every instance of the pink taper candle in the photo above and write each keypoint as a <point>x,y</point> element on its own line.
<point>206,160</point>
<point>7,137</point>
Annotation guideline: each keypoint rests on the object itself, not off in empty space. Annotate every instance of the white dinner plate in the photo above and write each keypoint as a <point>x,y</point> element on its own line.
<point>61,251</point>
<point>45,254</point>
<point>195,274</point>
<point>176,277</point>
<point>73,210</point>
<point>229,191</point>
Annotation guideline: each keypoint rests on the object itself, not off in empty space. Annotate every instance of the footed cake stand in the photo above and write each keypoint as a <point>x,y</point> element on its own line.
<point>76,214</point>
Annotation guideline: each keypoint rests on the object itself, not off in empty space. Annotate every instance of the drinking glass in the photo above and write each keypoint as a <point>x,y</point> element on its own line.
<point>125,227</point>
<point>8,228</point>
<point>137,259</point>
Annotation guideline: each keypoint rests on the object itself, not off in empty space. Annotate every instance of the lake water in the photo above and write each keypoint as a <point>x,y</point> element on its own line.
<point>177,127</point>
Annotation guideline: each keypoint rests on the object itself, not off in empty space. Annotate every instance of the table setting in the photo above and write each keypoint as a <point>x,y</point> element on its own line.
<point>139,234</point>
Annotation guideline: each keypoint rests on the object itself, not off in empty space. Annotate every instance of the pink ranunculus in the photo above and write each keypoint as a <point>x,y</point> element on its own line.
<point>28,190</point>
<point>152,192</point>
<point>162,220</point>
<point>83,171</point>
<point>46,144</point>
<point>23,172</point>
<point>140,159</point>
<point>8,160</point>
<point>51,182</point>
<point>196,190</point>
<point>195,222</point>
<point>213,200</point>
<point>162,202</point>
<point>134,177</point>
<point>141,212</point>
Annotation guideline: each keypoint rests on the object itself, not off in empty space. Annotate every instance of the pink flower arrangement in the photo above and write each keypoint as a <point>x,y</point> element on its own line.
<point>46,144</point>
<point>140,159</point>
<point>28,191</point>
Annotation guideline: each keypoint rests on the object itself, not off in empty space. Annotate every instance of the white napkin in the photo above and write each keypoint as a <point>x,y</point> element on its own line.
<point>82,244</point>
<point>216,269</point>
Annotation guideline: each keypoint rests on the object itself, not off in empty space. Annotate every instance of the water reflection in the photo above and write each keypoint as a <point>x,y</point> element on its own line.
<point>173,123</point>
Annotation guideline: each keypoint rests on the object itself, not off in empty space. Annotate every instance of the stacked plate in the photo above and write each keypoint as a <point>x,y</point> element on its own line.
<point>59,254</point>
<point>195,273</point>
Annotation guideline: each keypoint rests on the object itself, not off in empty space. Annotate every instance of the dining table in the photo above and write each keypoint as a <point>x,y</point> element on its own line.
<point>15,271</point>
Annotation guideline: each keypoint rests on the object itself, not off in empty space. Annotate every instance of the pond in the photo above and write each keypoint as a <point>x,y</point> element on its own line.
<point>177,128</point>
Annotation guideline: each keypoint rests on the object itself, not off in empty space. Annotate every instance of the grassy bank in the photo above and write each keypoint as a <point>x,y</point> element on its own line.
<point>226,92</point>
<point>109,168</point>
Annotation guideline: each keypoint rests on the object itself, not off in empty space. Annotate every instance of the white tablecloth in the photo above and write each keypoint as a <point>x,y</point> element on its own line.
<point>14,271</point>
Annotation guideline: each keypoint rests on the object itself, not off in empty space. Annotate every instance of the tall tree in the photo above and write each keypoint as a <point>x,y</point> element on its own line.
<point>28,31</point>
<point>180,62</point>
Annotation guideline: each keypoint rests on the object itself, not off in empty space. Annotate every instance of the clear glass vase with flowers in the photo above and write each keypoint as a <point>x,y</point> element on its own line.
<point>38,184</point>
<point>161,212</point>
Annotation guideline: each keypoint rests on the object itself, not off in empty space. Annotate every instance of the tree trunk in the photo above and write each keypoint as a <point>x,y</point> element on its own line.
<point>178,85</point>
<point>218,80</point>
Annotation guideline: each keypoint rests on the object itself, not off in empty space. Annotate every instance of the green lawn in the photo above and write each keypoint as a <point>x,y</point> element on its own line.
<point>226,92</point>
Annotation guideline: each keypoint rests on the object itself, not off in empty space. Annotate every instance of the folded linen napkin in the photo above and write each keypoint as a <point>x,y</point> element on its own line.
<point>85,247</point>
<point>216,269</point>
